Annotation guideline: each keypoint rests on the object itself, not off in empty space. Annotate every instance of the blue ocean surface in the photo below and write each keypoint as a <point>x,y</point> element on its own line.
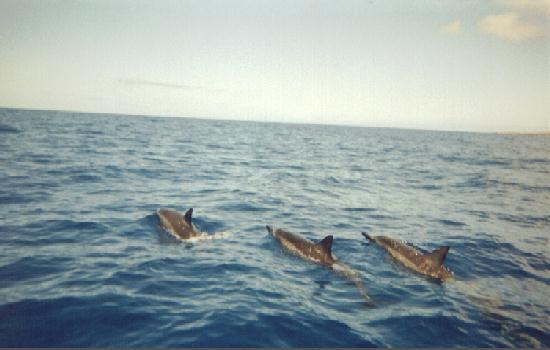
<point>84,263</point>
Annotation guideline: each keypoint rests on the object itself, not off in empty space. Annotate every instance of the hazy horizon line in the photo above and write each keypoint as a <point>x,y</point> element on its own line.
<point>213,118</point>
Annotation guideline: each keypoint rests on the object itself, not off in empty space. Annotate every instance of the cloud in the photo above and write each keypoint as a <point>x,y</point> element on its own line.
<point>160,84</point>
<point>452,28</point>
<point>511,27</point>
<point>537,7</point>
<point>156,84</point>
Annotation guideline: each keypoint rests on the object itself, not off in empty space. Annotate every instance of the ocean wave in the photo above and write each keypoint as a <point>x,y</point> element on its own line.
<point>85,263</point>
<point>8,129</point>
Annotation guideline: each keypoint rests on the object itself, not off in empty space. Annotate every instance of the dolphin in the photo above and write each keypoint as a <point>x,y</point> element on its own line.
<point>320,253</point>
<point>429,264</point>
<point>178,225</point>
<point>317,252</point>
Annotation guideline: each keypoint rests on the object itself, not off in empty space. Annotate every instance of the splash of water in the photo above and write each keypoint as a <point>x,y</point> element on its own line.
<point>206,236</point>
<point>203,236</point>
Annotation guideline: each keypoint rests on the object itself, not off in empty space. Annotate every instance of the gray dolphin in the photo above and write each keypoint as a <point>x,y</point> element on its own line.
<point>320,253</point>
<point>317,252</point>
<point>177,224</point>
<point>430,264</point>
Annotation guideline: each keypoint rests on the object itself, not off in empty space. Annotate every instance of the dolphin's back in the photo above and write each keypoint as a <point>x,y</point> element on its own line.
<point>319,252</point>
<point>430,264</point>
<point>403,253</point>
<point>293,238</point>
<point>177,224</point>
<point>398,248</point>
<point>171,216</point>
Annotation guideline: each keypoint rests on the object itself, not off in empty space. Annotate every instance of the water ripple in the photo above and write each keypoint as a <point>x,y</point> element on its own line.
<point>85,263</point>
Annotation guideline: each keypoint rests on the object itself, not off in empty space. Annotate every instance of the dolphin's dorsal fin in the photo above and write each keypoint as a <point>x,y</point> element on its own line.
<point>326,244</point>
<point>188,216</point>
<point>438,255</point>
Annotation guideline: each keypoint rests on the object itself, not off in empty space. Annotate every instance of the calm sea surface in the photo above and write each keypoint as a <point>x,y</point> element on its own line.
<point>83,261</point>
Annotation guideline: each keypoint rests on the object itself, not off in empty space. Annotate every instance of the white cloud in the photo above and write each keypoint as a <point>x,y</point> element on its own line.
<point>452,28</point>
<point>510,26</point>
<point>161,84</point>
<point>540,7</point>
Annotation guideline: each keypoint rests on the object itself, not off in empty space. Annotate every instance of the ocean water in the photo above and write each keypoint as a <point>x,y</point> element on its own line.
<point>83,261</point>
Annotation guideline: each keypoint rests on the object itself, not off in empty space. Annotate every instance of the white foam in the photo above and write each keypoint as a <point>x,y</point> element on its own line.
<point>206,236</point>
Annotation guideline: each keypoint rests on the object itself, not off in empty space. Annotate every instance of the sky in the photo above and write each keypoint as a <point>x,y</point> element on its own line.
<point>467,65</point>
